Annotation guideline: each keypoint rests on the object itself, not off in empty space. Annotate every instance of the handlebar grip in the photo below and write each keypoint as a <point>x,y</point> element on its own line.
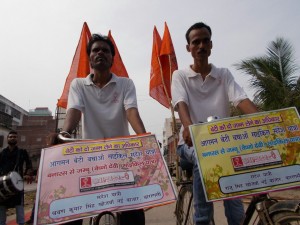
<point>63,139</point>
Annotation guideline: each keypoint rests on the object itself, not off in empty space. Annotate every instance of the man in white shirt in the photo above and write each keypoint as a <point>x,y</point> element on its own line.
<point>107,103</point>
<point>200,91</point>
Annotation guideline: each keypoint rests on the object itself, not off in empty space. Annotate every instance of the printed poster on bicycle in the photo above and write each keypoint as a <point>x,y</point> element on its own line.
<point>248,154</point>
<point>81,179</point>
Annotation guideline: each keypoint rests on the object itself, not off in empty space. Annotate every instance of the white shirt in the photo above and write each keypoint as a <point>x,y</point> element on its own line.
<point>205,98</point>
<point>103,109</point>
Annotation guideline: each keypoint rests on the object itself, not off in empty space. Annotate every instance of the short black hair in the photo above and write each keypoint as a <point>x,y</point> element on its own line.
<point>98,37</point>
<point>194,27</point>
<point>12,132</point>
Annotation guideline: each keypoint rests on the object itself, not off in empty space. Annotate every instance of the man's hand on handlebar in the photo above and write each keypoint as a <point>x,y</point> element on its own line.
<point>187,137</point>
<point>53,138</point>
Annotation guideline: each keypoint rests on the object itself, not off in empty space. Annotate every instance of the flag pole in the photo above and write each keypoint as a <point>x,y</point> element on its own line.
<point>168,97</point>
<point>172,108</point>
<point>174,127</point>
<point>175,131</point>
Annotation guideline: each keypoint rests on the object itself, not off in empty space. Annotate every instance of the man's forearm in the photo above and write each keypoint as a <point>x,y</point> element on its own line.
<point>135,120</point>
<point>184,114</point>
<point>72,119</point>
<point>247,106</point>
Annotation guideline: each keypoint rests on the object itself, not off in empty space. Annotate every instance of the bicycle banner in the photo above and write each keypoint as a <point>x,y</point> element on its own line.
<point>81,179</point>
<point>248,154</point>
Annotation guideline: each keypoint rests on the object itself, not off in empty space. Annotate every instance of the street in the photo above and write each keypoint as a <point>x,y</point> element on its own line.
<point>164,215</point>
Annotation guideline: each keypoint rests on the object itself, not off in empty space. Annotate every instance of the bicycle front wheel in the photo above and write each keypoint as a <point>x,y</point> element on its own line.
<point>185,206</point>
<point>287,218</point>
<point>105,218</point>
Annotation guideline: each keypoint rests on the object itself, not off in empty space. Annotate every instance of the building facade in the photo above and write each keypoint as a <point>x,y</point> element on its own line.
<point>34,131</point>
<point>11,116</point>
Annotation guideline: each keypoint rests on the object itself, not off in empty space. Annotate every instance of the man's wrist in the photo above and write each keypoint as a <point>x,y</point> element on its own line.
<point>186,126</point>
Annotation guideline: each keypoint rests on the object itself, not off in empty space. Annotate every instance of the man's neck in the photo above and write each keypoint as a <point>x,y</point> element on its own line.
<point>202,67</point>
<point>101,78</point>
<point>11,147</point>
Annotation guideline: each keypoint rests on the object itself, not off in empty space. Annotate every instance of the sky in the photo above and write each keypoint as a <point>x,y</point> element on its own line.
<point>38,40</point>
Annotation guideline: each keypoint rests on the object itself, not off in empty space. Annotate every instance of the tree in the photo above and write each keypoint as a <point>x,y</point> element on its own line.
<point>273,77</point>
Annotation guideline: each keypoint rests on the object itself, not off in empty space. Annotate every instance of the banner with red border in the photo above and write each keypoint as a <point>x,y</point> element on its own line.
<point>81,179</point>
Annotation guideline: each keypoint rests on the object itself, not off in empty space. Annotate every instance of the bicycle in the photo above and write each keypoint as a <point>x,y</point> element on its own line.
<point>262,209</point>
<point>184,209</point>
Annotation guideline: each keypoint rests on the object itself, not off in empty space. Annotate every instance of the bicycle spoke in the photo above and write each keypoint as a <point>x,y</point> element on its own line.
<point>185,208</point>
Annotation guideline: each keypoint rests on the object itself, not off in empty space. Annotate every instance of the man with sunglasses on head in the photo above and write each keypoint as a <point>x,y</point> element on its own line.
<point>106,104</point>
<point>198,92</point>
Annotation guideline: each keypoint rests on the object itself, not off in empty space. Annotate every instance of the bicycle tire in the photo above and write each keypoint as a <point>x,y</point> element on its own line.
<point>185,206</point>
<point>286,218</point>
<point>105,218</point>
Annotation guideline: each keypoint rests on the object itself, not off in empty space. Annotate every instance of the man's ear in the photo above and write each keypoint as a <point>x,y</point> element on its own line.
<point>211,44</point>
<point>188,48</point>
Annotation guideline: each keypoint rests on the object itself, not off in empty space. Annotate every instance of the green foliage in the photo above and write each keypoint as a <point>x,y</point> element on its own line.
<point>274,76</point>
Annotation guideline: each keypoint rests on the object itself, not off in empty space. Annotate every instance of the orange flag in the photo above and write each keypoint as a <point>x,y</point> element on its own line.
<point>168,59</point>
<point>163,64</point>
<point>157,89</point>
<point>80,65</point>
<point>118,67</point>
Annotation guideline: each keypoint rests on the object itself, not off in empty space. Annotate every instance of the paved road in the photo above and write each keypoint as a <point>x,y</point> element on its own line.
<point>164,215</point>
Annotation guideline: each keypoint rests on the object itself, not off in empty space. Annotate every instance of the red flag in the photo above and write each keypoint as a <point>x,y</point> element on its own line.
<point>157,89</point>
<point>80,65</point>
<point>118,67</point>
<point>168,59</point>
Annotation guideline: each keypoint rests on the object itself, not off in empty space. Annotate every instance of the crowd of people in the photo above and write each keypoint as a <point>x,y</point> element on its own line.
<point>107,104</point>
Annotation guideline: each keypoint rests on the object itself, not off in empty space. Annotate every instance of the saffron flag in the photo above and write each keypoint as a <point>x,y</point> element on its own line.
<point>157,89</point>
<point>163,64</point>
<point>80,65</point>
<point>168,59</point>
<point>118,66</point>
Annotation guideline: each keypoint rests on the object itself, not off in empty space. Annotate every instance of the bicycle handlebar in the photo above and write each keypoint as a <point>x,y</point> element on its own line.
<point>63,139</point>
<point>66,139</point>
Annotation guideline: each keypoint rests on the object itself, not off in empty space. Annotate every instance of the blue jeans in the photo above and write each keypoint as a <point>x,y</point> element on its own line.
<point>234,210</point>
<point>19,214</point>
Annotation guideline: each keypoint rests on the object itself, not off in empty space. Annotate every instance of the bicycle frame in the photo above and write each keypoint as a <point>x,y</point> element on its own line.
<point>267,207</point>
<point>260,204</point>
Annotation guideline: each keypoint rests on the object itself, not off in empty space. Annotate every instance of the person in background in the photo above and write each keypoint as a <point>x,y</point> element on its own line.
<point>200,91</point>
<point>106,104</point>
<point>13,158</point>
